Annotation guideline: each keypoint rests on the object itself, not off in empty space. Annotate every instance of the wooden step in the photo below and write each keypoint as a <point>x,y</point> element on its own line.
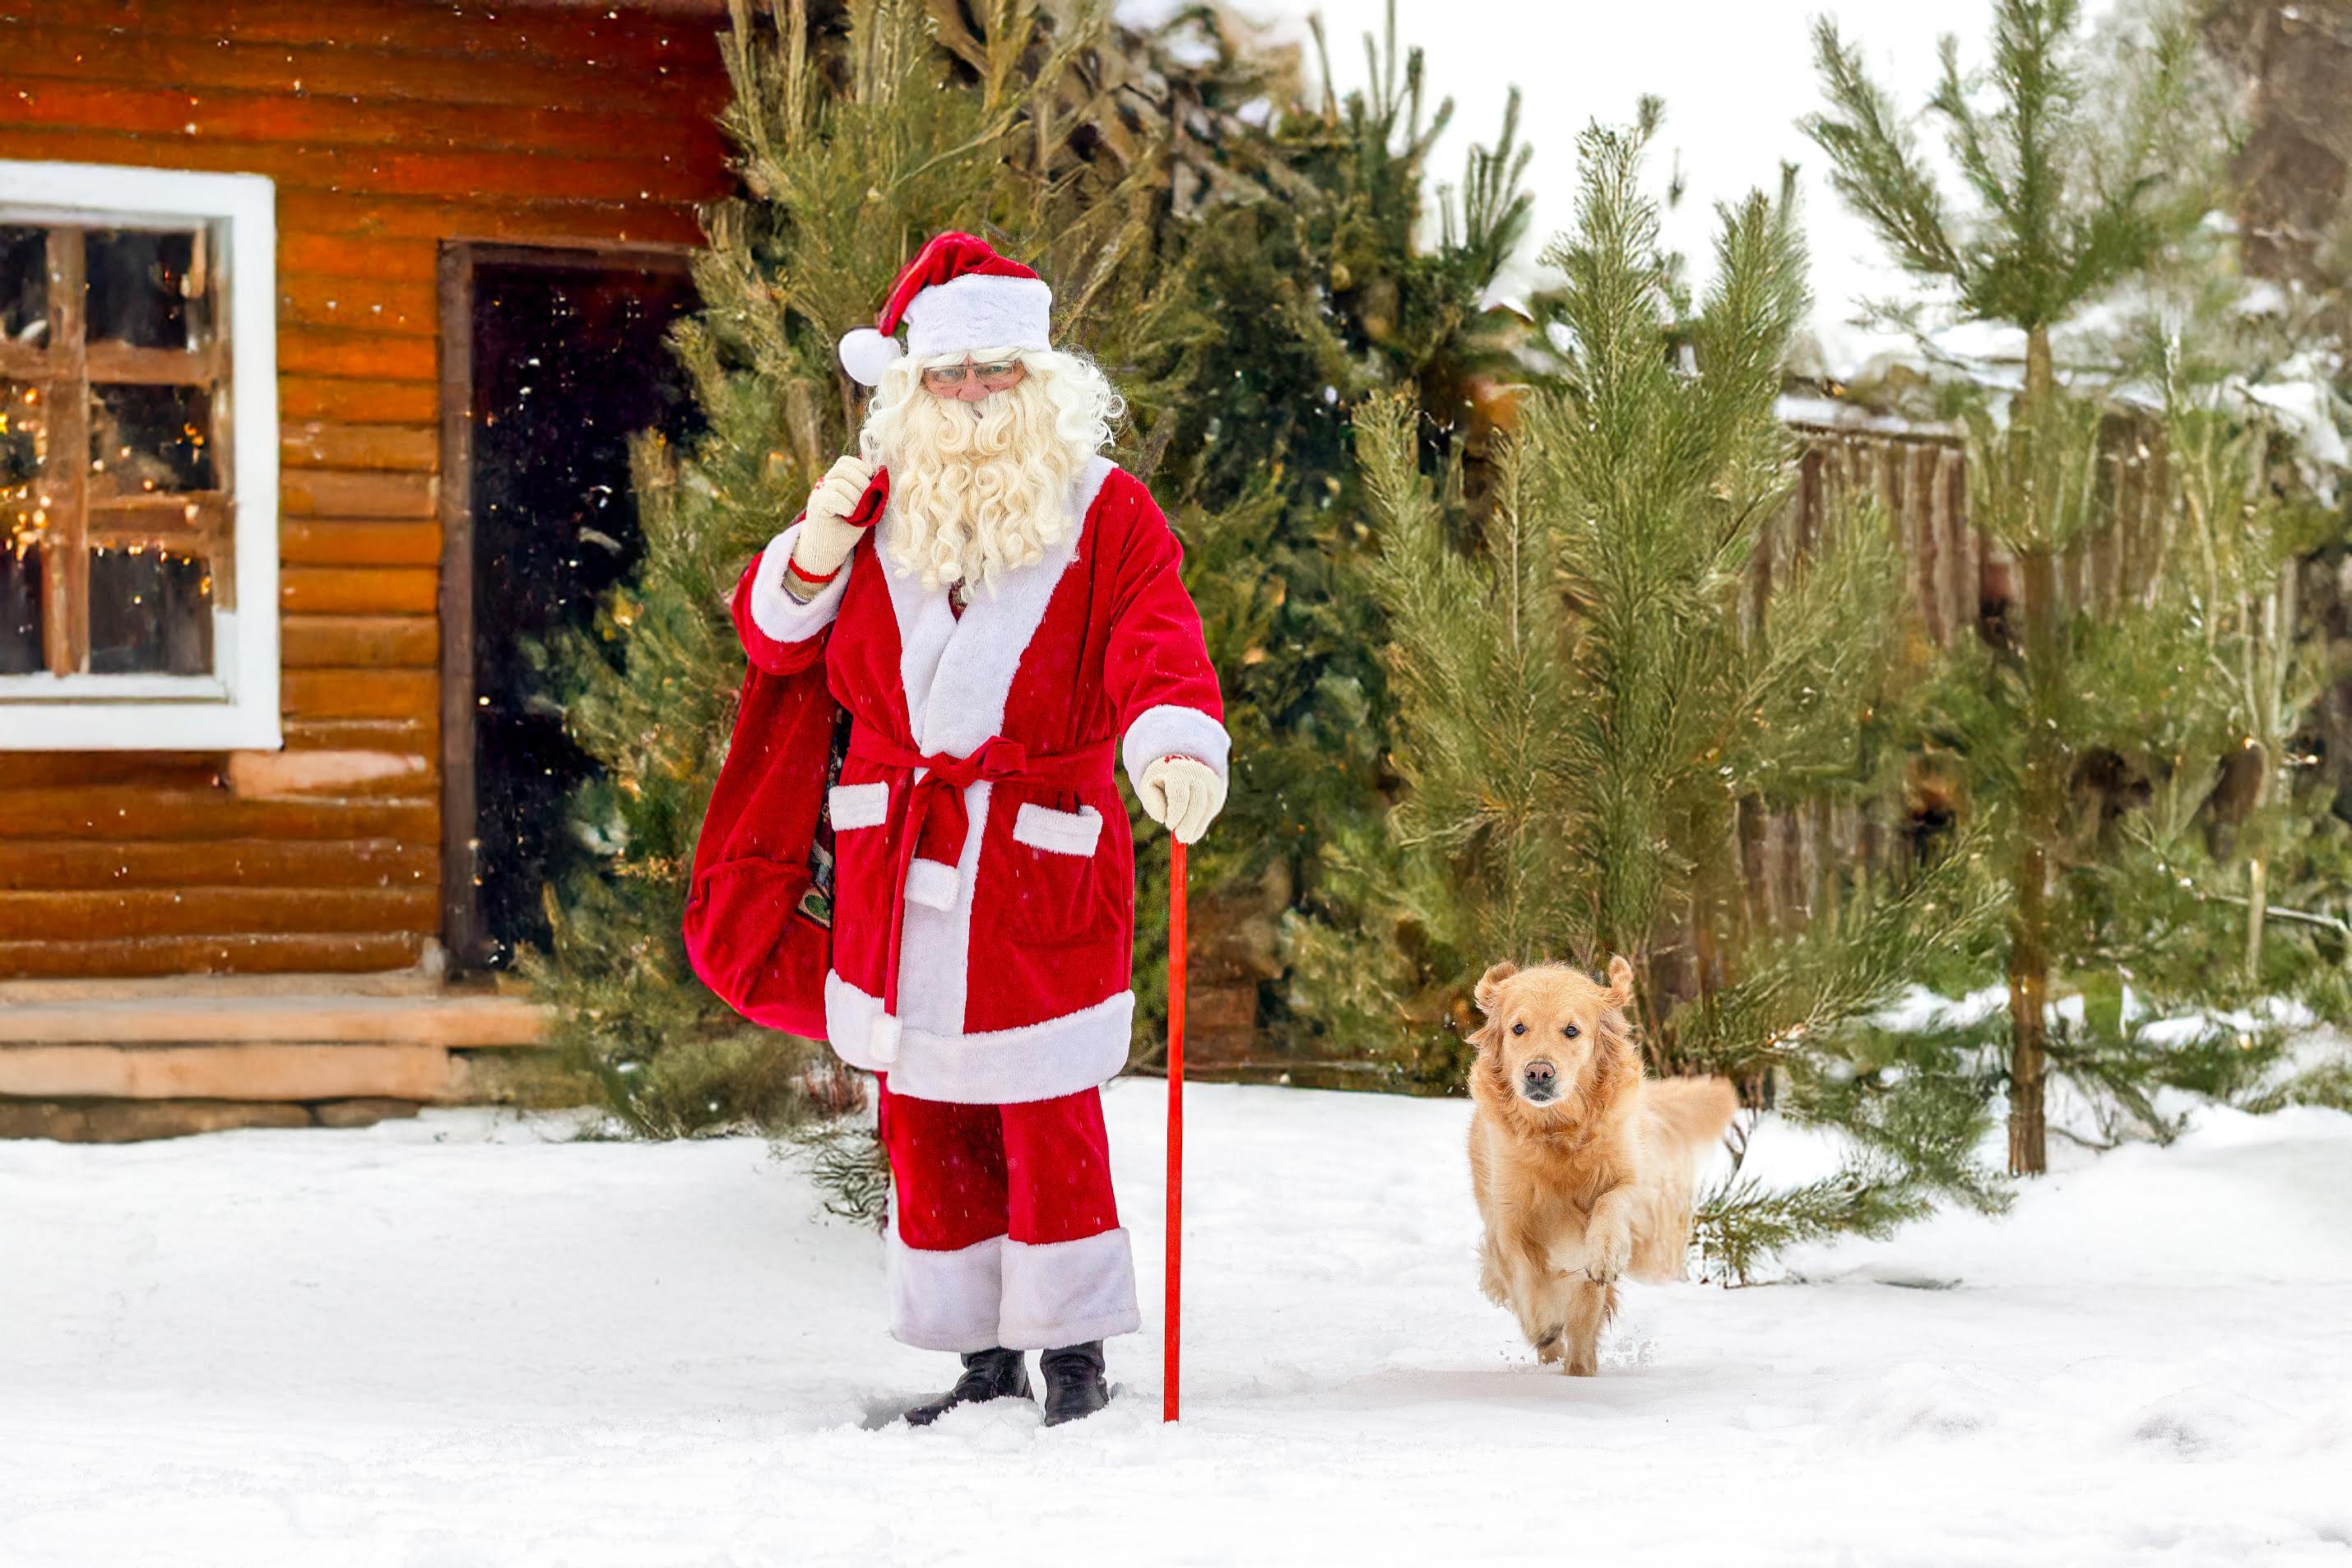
<point>420,980</point>
<point>135,1121</point>
<point>230,1072</point>
<point>443,1020</point>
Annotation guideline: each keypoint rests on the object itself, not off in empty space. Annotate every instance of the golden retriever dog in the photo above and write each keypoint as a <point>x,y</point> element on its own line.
<point>1583,1168</point>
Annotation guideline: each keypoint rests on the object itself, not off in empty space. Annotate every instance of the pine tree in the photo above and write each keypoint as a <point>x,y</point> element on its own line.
<point>2226,890</point>
<point>1583,699</point>
<point>862,129</point>
<point>2077,187</point>
<point>2178,697</point>
<point>1311,290</point>
<point>2225,810</point>
<point>2244,521</point>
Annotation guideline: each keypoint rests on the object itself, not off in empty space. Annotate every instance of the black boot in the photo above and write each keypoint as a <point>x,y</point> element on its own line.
<point>987,1374</point>
<point>1074,1382</point>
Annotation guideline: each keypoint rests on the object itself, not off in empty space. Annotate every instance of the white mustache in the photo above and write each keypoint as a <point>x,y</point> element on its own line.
<point>981,487</point>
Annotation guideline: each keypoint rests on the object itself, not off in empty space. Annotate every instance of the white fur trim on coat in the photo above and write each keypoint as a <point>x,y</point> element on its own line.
<point>882,1041</point>
<point>1169,730</point>
<point>978,312</point>
<point>957,704</point>
<point>1067,1292</point>
<point>1057,832</point>
<point>774,610</point>
<point>1078,1050</point>
<point>945,1301</point>
<point>933,884</point>
<point>857,805</point>
<point>956,674</point>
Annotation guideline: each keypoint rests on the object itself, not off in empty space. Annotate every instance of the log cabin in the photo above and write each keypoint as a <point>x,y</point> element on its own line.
<point>321,332</point>
<point>347,312</point>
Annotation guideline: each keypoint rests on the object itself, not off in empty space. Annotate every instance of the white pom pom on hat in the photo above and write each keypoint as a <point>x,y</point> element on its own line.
<point>958,295</point>
<point>867,353</point>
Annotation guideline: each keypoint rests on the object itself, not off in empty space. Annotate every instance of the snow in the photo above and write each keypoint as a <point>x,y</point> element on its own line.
<point>467,1339</point>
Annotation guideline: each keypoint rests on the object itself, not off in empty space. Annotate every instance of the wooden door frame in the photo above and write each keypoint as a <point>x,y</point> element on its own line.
<point>462,933</point>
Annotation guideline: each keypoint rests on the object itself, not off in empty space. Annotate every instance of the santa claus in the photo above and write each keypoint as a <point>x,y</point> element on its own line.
<point>997,609</point>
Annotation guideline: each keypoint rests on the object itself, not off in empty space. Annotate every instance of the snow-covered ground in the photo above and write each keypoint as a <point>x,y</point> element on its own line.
<point>462,1342</point>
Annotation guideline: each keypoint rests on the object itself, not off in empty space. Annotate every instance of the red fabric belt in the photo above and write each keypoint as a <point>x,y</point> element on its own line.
<point>931,819</point>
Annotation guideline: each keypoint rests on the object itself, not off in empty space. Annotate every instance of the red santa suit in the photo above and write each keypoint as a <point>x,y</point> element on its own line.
<point>984,908</point>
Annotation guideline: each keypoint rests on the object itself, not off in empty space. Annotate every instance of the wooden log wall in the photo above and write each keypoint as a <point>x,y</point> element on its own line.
<point>389,126</point>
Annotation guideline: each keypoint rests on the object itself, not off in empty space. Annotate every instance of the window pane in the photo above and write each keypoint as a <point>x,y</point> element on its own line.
<point>20,611</point>
<point>25,285</point>
<point>24,452</point>
<point>146,439</point>
<point>144,289</point>
<point>151,612</point>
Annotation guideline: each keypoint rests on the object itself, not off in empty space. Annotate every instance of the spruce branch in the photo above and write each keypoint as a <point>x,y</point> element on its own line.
<point>1851,961</point>
<point>850,1167</point>
<point>1738,1226</point>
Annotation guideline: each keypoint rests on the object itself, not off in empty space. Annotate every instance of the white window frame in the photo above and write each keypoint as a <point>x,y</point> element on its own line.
<point>237,707</point>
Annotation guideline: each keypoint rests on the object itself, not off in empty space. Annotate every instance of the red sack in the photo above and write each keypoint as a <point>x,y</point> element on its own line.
<point>758,922</point>
<point>759,902</point>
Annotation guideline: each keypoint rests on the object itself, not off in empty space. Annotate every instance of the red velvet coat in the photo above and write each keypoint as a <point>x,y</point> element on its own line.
<point>979,831</point>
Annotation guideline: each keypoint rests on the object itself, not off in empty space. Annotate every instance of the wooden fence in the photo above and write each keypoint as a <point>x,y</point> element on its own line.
<point>1958,583</point>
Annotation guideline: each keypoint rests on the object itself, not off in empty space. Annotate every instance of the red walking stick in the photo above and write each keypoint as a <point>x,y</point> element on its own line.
<point>1173,1340</point>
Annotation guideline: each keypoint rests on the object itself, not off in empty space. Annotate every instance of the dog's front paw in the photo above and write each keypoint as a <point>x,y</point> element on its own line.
<point>1491,1282</point>
<point>1605,1259</point>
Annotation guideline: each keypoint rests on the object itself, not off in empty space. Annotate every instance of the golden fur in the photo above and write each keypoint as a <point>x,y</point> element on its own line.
<point>1597,1182</point>
<point>978,488</point>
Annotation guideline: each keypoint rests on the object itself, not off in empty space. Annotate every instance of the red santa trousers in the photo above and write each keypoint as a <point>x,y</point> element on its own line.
<point>1004,1229</point>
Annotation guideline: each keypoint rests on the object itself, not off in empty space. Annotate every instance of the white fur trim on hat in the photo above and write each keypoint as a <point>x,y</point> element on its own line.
<point>979,311</point>
<point>867,353</point>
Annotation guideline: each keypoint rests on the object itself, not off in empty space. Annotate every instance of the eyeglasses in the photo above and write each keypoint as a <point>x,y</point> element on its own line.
<point>995,375</point>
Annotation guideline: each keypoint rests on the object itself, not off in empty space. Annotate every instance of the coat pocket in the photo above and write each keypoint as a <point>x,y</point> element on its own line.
<point>1058,832</point>
<point>857,805</point>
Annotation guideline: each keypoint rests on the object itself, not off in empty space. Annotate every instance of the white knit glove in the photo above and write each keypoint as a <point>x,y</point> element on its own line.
<point>827,538</point>
<point>1183,794</point>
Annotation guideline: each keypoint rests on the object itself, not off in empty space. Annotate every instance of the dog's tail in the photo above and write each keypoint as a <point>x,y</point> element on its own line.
<point>1688,1114</point>
<point>1682,1117</point>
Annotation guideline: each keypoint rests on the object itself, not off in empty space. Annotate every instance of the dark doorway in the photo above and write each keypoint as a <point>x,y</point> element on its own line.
<point>553,359</point>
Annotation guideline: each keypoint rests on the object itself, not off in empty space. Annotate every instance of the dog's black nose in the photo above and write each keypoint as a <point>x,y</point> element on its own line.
<point>1541,1078</point>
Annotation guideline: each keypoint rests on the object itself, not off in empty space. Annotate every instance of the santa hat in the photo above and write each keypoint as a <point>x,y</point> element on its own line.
<point>956,296</point>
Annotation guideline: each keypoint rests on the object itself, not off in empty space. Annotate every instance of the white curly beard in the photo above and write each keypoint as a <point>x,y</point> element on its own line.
<point>980,488</point>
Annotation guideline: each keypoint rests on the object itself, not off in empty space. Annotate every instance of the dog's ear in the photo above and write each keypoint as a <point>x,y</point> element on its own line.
<point>1620,982</point>
<point>1490,984</point>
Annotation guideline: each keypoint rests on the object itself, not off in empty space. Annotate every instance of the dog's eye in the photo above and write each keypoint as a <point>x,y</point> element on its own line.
<point>1571,1031</point>
<point>1518,1028</point>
